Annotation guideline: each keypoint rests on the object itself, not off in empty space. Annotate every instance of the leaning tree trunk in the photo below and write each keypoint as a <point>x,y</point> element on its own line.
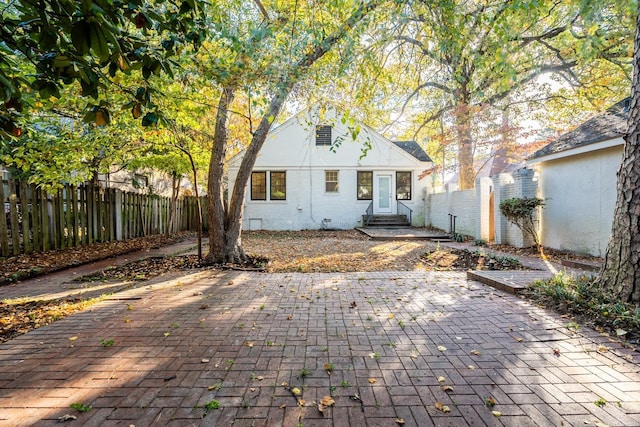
<point>221,249</point>
<point>620,273</point>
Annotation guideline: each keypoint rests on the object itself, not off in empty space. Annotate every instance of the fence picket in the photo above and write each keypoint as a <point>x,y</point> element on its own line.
<point>4,236</point>
<point>34,221</point>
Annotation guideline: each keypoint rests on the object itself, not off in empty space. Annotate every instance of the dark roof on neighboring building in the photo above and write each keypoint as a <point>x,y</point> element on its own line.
<point>608,125</point>
<point>414,149</point>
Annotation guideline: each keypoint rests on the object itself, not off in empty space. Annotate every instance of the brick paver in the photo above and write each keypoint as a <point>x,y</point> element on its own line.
<point>378,343</point>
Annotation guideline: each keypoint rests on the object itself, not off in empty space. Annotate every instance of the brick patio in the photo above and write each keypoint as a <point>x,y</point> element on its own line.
<point>246,340</point>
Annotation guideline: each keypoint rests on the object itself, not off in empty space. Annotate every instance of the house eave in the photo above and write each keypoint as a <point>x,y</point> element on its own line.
<point>600,145</point>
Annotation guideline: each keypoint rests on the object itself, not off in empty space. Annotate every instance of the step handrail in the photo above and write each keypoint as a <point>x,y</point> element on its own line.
<point>368,214</point>
<point>404,210</point>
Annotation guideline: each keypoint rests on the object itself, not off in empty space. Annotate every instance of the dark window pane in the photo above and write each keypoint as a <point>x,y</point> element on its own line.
<point>278,186</point>
<point>365,185</point>
<point>258,186</point>
<point>403,185</point>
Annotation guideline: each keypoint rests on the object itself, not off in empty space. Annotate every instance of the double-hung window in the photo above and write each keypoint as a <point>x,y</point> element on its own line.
<point>331,181</point>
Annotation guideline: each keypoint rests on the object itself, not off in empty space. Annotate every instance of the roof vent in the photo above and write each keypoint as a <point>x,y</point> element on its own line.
<point>627,105</point>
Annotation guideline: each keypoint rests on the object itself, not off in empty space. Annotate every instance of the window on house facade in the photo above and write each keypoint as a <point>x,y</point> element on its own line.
<point>365,185</point>
<point>323,135</point>
<point>278,185</point>
<point>331,181</point>
<point>258,186</point>
<point>403,185</point>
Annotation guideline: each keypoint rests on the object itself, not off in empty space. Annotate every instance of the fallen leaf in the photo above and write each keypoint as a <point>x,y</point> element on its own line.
<point>166,334</point>
<point>490,402</point>
<point>353,305</point>
<point>283,406</point>
<point>296,391</point>
<point>446,388</point>
<point>289,317</point>
<point>390,316</point>
<point>442,348</point>
<point>400,421</point>
<point>67,417</point>
<point>259,377</point>
<point>475,352</point>
<point>204,361</point>
<point>518,339</point>
<point>372,381</point>
<point>252,389</point>
<point>620,332</point>
<point>496,413</point>
<point>301,402</point>
<point>603,348</point>
<point>556,351</point>
<point>73,338</point>
<point>249,343</point>
<point>441,379</point>
<point>442,407</point>
<point>327,401</point>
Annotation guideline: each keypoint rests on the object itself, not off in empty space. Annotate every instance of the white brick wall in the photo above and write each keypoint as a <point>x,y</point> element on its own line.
<point>472,210</point>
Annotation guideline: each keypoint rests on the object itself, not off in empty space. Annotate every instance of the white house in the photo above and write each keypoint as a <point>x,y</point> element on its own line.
<point>324,171</point>
<point>577,179</point>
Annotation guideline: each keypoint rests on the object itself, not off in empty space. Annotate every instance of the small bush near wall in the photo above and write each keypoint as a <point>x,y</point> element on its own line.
<point>519,211</point>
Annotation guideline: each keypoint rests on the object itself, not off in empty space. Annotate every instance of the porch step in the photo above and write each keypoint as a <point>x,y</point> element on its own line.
<point>387,221</point>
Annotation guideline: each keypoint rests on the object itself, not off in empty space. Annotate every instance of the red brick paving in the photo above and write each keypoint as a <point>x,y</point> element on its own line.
<point>236,337</point>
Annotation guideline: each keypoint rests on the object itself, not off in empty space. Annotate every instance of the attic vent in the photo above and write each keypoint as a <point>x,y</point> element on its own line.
<point>627,105</point>
<point>323,135</point>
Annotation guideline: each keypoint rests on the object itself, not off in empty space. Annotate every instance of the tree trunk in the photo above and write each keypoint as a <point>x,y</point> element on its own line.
<point>223,247</point>
<point>225,225</point>
<point>620,274</point>
<point>465,147</point>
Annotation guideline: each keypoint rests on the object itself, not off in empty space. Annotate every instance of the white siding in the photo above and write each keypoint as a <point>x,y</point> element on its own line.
<point>580,197</point>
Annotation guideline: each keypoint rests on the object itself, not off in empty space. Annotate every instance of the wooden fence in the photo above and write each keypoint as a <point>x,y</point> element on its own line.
<point>34,221</point>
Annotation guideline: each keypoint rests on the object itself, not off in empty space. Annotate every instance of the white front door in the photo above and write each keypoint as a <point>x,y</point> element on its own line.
<point>382,195</point>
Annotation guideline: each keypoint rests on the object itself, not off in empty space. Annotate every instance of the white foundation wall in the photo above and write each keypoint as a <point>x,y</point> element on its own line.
<point>580,197</point>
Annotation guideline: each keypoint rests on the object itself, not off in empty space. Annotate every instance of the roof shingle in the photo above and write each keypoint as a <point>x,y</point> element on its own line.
<point>608,125</point>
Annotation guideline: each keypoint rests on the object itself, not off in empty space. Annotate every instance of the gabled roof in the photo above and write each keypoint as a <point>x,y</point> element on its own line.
<point>609,125</point>
<point>413,148</point>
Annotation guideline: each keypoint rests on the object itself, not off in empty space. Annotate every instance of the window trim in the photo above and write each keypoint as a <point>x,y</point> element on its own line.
<point>321,137</point>
<point>410,184</point>
<point>361,173</point>
<point>337,181</point>
<point>271,185</point>
<point>264,174</point>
